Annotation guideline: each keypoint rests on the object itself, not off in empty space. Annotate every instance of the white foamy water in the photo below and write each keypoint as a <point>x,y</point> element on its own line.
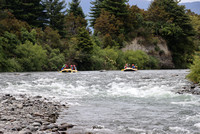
<point>115,102</point>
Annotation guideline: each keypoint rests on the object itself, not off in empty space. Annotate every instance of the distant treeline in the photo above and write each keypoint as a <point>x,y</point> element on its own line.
<point>42,35</point>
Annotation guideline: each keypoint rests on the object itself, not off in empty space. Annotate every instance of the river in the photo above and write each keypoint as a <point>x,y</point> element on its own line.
<point>115,102</point>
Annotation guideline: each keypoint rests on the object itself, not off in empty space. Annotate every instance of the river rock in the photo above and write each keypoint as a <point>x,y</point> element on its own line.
<point>67,125</point>
<point>25,132</point>
<point>190,89</point>
<point>27,115</point>
<point>33,129</point>
<point>97,127</point>
<point>17,129</point>
<point>35,124</point>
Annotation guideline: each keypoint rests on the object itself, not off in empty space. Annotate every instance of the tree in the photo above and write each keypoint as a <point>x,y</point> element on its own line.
<point>28,36</point>
<point>30,11</point>
<point>195,20</point>
<point>52,38</point>
<point>95,11</point>
<point>10,24</point>
<point>75,19</point>
<point>85,47</point>
<point>116,7</point>
<point>85,44</point>
<point>112,19</point>
<point>55,10</point>
<point>73,23</point>
<point>9,42</point>
<point>194,74</point>
<point>172,23</point>
<point>134,21</point>
<point>108,25</point>
<point>31,57</point>
<point>76,9</point>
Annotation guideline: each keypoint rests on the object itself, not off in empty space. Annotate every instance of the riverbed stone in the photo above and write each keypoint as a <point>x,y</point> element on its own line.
<point>36,124</point>
<point>27,115</point>
<point>25,132</point>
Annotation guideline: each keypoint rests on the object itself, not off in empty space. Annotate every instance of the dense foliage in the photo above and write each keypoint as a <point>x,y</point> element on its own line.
<point>41,35</point>
<point>173,24</point>
<point>194,75</point>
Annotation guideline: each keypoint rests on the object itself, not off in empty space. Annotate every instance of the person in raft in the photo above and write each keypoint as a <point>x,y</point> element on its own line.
<point>74,67</point>
<point>71,67</point>
<point>133,66</point>
<point>63,67</point>
<point>125,66</point>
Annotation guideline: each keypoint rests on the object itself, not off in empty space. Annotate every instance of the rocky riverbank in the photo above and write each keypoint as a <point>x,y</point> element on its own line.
<point>22,114</point>
<point>191,89</point>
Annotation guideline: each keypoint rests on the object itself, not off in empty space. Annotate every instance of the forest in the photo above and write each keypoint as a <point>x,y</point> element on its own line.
<point>42,35</point>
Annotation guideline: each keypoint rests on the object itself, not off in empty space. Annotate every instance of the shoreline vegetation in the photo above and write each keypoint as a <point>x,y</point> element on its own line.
<point>42,35</point>
<point>194,74</point>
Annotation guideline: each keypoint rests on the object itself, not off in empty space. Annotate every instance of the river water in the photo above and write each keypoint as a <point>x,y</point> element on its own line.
<point>115,102</point>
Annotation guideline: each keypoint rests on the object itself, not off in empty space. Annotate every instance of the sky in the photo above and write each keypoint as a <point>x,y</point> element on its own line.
<point>144,4</point>
<point>184,1</point>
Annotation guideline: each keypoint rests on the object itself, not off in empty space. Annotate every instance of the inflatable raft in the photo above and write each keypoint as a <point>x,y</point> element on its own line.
<point>68,71</point>
<point>129,69</point>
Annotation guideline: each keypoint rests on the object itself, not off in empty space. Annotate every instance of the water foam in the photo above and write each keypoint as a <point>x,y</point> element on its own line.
<point>179,130</point>
<point>122,89</point>
<point>197,125</point>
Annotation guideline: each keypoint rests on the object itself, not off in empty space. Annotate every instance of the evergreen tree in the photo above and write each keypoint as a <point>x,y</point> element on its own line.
<point>107,24</point>
<point>85,44</point>
<point>76,9</point>
<point>55,14</point>
<point>75,19</point>
<point>116,7</point>
<point>85,47</point>
<point>173,24</point>
<point>95,11</point>
<point>30,11</point>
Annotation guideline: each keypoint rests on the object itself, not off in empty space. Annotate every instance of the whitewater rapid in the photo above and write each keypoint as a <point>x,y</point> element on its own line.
<point>115,102</point>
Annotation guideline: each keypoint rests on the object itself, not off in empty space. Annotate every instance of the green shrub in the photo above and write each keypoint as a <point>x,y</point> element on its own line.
<point>157,48</point>
<point>137,57</point>
<point>55,59</point>
<point>31,57</point>
<point>140,58</point>
<point>104,58</point>
<point>194,74</point>
<point>13,66</point>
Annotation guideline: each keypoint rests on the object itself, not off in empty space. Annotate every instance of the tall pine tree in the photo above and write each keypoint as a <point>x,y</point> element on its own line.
<point>85,47</point>
<point>55,10</point>
<point>116,7</point>
<point>76,9</point>
<point>30,11</point>
<point>95,11</point>
<point>74,19</point>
